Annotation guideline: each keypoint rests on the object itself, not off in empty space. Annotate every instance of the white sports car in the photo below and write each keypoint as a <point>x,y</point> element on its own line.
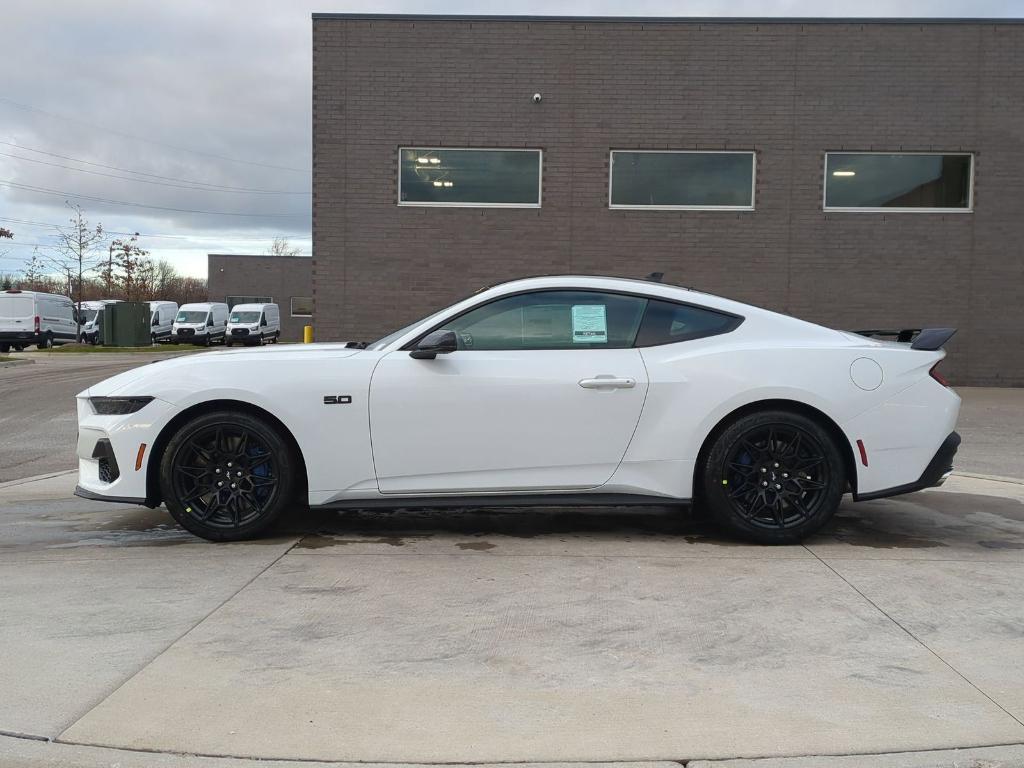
<point>541,391</point>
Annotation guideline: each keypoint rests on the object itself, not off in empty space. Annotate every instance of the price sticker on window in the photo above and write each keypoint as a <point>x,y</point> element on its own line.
<point>589,324</point>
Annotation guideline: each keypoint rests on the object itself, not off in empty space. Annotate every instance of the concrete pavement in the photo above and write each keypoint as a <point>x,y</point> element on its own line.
<point>37,404</point>
<point>533,635</point>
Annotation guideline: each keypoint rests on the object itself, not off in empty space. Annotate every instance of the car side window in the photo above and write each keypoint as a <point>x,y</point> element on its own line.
<point>551,320</point>
<point>667,323</point>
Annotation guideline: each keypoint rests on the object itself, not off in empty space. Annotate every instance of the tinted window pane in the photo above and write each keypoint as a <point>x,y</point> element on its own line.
<point>231,301</point>
<point>667,323</point>
<point>706,179</point>
<point>302,306</point>
<point>897,181</point>
<point>552,320</point>
<point>470,176</point>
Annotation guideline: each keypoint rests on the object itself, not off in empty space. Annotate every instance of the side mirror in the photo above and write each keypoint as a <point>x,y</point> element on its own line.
<point>434,344</point>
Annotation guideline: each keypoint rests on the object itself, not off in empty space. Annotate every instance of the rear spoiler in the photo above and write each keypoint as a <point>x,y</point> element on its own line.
<point>927,339</point>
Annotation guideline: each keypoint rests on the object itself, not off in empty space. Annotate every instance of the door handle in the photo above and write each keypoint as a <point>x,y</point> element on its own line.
<point>607,382</point>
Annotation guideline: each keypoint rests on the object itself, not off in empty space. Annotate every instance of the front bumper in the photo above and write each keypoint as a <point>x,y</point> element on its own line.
<point>109,451</point>
<point>935,474</point>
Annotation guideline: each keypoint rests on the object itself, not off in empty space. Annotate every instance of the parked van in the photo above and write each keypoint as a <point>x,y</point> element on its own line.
<point>28,317</point>
<point>91,331</point>
<point>203,323</point>
<point>162,321</point>
<point>253,324</point>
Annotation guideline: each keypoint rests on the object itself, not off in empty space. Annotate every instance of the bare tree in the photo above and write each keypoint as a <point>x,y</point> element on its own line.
<point>130,261</point>
<point>5,233</point>
<point>77,246</point>
<point>33,271</point>
<point>281,247</point>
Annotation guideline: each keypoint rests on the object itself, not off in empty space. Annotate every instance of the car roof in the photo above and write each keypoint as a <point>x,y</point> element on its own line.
<point>625,285</point>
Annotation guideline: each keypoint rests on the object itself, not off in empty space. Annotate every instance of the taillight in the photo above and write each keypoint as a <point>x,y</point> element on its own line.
<point>37,324</point>
<point>934,373</point>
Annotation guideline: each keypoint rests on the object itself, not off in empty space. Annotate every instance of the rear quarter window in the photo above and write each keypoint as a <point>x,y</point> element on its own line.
<point>668,323</point>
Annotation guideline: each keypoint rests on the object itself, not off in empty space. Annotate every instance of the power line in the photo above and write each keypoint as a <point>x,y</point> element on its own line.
<point>28,223</point>
<point>61,193</point>
<point>199,184</point>
<point>30,108</point>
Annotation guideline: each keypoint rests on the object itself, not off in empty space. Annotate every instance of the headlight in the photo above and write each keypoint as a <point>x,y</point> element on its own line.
<point>118,406</point>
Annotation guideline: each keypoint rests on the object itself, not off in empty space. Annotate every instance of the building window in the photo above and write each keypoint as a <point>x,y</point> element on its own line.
<point>469,177</point>
<point>898,181</point>
<point>680,179</point>
<point>302,306</point>
<point>232,300</point>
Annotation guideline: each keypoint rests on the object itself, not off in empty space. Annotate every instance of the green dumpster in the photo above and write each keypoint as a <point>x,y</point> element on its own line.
<point>127,324</point>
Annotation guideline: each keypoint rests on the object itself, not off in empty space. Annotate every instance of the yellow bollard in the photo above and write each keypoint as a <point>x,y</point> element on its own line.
<point>307,334</point>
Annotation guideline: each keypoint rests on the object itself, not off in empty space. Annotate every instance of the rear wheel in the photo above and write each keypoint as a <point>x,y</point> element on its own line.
<point>773,477</point>
<point>226,476</point>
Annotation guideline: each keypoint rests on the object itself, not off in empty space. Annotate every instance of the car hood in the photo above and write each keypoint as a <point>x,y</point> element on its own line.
<point>160,378</point>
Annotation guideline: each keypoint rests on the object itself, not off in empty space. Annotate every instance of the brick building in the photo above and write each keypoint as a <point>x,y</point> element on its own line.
<point>861,173</point>
<point>283,280</point>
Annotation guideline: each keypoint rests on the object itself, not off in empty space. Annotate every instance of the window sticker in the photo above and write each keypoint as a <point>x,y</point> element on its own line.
<point>589,324</point>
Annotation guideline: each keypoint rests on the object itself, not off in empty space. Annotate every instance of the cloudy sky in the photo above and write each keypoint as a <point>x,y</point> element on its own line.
<point>189,121</point>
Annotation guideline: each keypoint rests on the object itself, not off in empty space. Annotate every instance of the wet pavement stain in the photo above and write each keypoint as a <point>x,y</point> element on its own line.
<point>858,532</point>
<point>1001,544</point>
<point>323,541</point>
<point>476,546</point>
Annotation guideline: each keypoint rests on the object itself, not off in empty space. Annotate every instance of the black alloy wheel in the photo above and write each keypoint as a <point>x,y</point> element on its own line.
<point>774,477</point>
<point>226,476</point>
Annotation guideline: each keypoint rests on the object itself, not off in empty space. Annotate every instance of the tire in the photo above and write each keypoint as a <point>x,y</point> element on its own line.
<point>229,343</point>
<point>4,349</point>
<point>273,339</point>
<point>152,338</point>
<point>773,477</point>
<point>19,347</point>
<point>47,342</point>
<point>206,341</point>
<point>210,442</point>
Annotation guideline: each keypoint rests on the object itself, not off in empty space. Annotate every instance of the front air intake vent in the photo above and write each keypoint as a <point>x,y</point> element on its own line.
<point>108,469</point>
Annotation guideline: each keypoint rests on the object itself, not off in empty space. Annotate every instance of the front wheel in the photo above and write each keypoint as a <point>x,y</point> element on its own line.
<point>46,342</point>
<point>773,477</point>
<point>226,476</point>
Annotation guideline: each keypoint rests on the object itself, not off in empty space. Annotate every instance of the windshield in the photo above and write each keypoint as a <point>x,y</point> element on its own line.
<point>379,344</point>
<point>191,317</point>
<point>245,317</point>
<point>88,315</point>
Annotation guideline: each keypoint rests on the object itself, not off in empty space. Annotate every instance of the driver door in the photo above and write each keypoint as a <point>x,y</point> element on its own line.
<point>543,393</point>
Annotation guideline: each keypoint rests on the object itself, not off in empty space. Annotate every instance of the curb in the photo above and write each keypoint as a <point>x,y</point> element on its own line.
<point>993,478</point>
<point>35,478</point>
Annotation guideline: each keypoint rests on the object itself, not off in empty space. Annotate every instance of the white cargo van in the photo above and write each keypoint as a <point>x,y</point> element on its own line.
<point>28,317</point>
<point>204,323</point>
<point>91,331</point>
<point>162,321</point>
<point>254,323</point>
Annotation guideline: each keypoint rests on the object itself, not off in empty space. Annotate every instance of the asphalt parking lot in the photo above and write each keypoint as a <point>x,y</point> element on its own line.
<point>494,636</point>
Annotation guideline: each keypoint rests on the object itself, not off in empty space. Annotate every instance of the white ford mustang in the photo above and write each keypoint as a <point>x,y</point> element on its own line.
<point>542,391</point>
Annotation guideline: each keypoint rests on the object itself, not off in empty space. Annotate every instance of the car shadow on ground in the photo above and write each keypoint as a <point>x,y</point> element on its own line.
<point>944,522</point>
<point>917,521</point>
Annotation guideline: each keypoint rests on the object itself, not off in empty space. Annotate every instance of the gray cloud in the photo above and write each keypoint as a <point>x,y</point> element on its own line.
<point>230,80</point>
